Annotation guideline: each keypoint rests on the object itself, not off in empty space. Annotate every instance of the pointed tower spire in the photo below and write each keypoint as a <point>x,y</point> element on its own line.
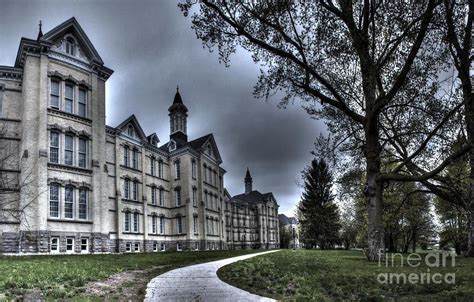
<point>178,114</point>
<point>248,182</point>
<point>40,33</point>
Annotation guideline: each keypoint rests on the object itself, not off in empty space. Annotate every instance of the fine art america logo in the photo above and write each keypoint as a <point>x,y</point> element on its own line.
<point>430,261</point>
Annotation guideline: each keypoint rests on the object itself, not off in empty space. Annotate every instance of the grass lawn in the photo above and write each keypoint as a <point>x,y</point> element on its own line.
<point>56,277</point>
<point>316,275</point>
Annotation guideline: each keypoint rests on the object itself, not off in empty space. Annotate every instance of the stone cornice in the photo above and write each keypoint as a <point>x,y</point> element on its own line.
<point>11,73</point>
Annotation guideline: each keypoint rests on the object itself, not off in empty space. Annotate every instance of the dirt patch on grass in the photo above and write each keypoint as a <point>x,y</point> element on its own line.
<point>124,286</point>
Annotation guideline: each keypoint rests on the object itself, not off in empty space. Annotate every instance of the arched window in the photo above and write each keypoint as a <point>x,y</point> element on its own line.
<point>70,46</point>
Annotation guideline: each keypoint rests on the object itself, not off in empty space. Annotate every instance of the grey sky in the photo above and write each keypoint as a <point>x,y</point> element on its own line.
<point>152,48</point>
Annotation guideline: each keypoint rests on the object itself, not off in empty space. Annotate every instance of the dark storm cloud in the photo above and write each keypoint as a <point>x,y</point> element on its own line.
<point>152,48</point>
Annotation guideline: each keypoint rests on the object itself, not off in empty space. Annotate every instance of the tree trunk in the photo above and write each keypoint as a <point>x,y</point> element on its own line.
<point>469,112</point>
<point>373,193</point>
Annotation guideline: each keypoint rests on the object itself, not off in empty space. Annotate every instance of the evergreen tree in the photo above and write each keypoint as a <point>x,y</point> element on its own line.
<point>317,213</point>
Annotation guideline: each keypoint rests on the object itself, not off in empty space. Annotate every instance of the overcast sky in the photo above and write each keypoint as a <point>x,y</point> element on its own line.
<point>151,48</point>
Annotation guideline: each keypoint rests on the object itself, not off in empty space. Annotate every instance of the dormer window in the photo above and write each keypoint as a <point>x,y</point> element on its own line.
<point>172,145</point>
<point>70,46</point>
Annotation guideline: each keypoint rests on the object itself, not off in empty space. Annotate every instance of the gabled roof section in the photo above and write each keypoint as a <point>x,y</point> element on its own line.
<point>73,26</point>
<point>153,136</point>
<point>132,119</point>
<point>254,197</point>
<point>200,144</point>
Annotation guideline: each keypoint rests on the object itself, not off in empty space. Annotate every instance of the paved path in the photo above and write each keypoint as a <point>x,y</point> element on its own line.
<point>199,283</point>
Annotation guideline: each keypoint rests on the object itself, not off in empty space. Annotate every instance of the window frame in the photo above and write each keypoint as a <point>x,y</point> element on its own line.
<point>68,150</point>
<point>69,99</point>
<point>127,221</point>
<point>83,204</point>
<point>86,250</point>
<point>56,250</point>
<point>57,201</point>
<point>179,225</point>
<point>80,104</point>
<point>82,153</point>
<point>69,203</point>
<point>71,251</point>
<point>136,223</point>
<point>55,94</point>
<point>52,147</point>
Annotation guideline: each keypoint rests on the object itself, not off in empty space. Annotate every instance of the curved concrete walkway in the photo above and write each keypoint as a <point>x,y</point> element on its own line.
<point>199,283</point>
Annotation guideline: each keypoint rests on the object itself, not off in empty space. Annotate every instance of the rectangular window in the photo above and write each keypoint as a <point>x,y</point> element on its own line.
<point>194,197</point>
<point>54,245</point>
<point>193,169</point>
<point>153,196</point>
<point>69,150</point>
<point>125,155</point>
<point>69,202</point>
<point>162,197</point>
<point>126,188</point>
<point>128,247</point>
<point>54,99</point>
<point>195,224</point>
<point>180,225</point>
<point>163,247</point>
<point>177,197</point>
<point>137,248</point>
<point>155,247</point>
<point>206,201</point>
<point>127,222</point>
<point>152,166</point>
<point>69,245</point>
<point>54,201</point>
<point>84,245</point>
<point>160,169</point>
<point>135,159</point>
<point>179,247</point>
<point>82,152</point>
<point>82,105</point>
<point>153,224</point>
<point>54,147</point>
<point>177,169</point>
<point>162,225</point>
<point>69,98</point>
<point>135,222</point>
<point>83,203</point>
<point>135,191</point>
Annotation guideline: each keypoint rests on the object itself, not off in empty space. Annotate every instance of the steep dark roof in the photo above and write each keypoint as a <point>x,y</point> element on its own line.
<point>252,197</point>
<point>195,144</point>
<point>283,219</point>
<point>178,104</point>
<point>198,142</point>
<point>247,176</point>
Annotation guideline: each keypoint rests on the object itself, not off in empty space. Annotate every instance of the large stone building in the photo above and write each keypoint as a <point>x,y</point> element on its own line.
<point>71,184</point>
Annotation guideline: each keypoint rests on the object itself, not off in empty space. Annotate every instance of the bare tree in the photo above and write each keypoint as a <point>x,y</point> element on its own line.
<point>17,194</point>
